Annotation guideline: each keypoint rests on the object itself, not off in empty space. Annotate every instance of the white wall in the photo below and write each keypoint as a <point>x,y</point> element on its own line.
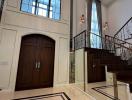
<point>104,14</point>
<point>79,8</point>
<point>118,13</point>
<point>16,24</point>
<point>104,19</point>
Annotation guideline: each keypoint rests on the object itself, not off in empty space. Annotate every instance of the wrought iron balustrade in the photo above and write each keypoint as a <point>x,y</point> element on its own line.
<point>122,48</point>
<point>114,45</point>
<point>80,40</point>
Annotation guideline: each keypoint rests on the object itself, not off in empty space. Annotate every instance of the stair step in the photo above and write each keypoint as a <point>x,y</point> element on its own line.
<point>112,61</point>
<point>125,76</point>
<point>125,73</point>
<point>128,68</point>
<point>93,50</point>
<point>115,68</point>
<point>108,55</point>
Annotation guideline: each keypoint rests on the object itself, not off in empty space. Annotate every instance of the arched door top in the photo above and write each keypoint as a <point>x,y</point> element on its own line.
<point>39,35</point>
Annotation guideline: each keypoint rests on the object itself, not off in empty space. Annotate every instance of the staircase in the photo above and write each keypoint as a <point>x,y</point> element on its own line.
<point>100,58</point>
<point>112,52</point>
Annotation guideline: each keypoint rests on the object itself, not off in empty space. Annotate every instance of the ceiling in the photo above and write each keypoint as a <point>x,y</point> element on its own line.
<point>107,2</point>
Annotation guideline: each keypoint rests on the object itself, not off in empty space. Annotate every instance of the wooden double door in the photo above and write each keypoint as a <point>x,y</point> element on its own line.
<point>36,62</point>
<point>96,71</point>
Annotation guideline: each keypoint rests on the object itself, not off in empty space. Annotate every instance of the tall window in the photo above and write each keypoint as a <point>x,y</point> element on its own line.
<point>46,8</point>
<point>95,39</point>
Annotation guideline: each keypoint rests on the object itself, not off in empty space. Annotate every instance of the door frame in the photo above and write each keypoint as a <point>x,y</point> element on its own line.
<point>15,59</point>
<point>44,37</point>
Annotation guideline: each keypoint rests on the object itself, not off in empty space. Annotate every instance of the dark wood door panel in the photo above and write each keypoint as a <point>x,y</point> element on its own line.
<point>26,66</point>
<point>47,49</point>
<point>96,72</point>
<point>36,62</point>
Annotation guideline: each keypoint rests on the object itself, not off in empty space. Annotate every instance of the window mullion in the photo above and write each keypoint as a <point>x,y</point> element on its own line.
<point>36,3</point>
<point>49,8</point>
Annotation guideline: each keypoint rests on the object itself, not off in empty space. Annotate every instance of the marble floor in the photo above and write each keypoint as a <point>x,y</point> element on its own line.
<point>72,92</point>
<point>123,91</point>
<point>107,93</point>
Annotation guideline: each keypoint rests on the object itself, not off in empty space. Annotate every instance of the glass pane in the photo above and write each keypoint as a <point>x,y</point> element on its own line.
<point>55,4</point>
<point>43,2</point>
<point>79,69</point>
<point>24,7</point>
<point>25,1</point>
<point>43,6</point>
<point>28,6</point>
<point>57,16</point>
<point>32,2</point>
<point>42,12</point>
<point>51,8</point>
<point>31,9</point>
<point>51,14</point>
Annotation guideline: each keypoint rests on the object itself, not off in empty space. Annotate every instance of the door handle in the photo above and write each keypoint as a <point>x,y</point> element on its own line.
<point>39,65</point>
<point>94,66</point>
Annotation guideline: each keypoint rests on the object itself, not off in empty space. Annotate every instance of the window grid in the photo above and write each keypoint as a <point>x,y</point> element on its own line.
<point>46,8</point>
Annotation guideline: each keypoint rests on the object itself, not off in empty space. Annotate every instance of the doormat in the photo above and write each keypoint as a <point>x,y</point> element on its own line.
<point>108,91</point>
<point>54,96</point>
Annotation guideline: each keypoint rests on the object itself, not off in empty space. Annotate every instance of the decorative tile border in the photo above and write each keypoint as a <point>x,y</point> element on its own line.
<point>98,89</point>
<point>63,95</point>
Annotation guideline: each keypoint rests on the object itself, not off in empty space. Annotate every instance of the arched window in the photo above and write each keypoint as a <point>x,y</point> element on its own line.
<point>46,8</point>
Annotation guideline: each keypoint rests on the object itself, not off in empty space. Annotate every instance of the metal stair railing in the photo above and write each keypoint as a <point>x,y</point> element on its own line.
<point>125,32</point>
<point>114,45</point>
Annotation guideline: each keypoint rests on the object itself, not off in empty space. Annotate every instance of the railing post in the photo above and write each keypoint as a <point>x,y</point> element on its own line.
<point>102,43</point>
<point>105,44</point>
<point>74,43</point>
<point>115,86</point>
<point>114,44</point>
<point>85,38</point>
